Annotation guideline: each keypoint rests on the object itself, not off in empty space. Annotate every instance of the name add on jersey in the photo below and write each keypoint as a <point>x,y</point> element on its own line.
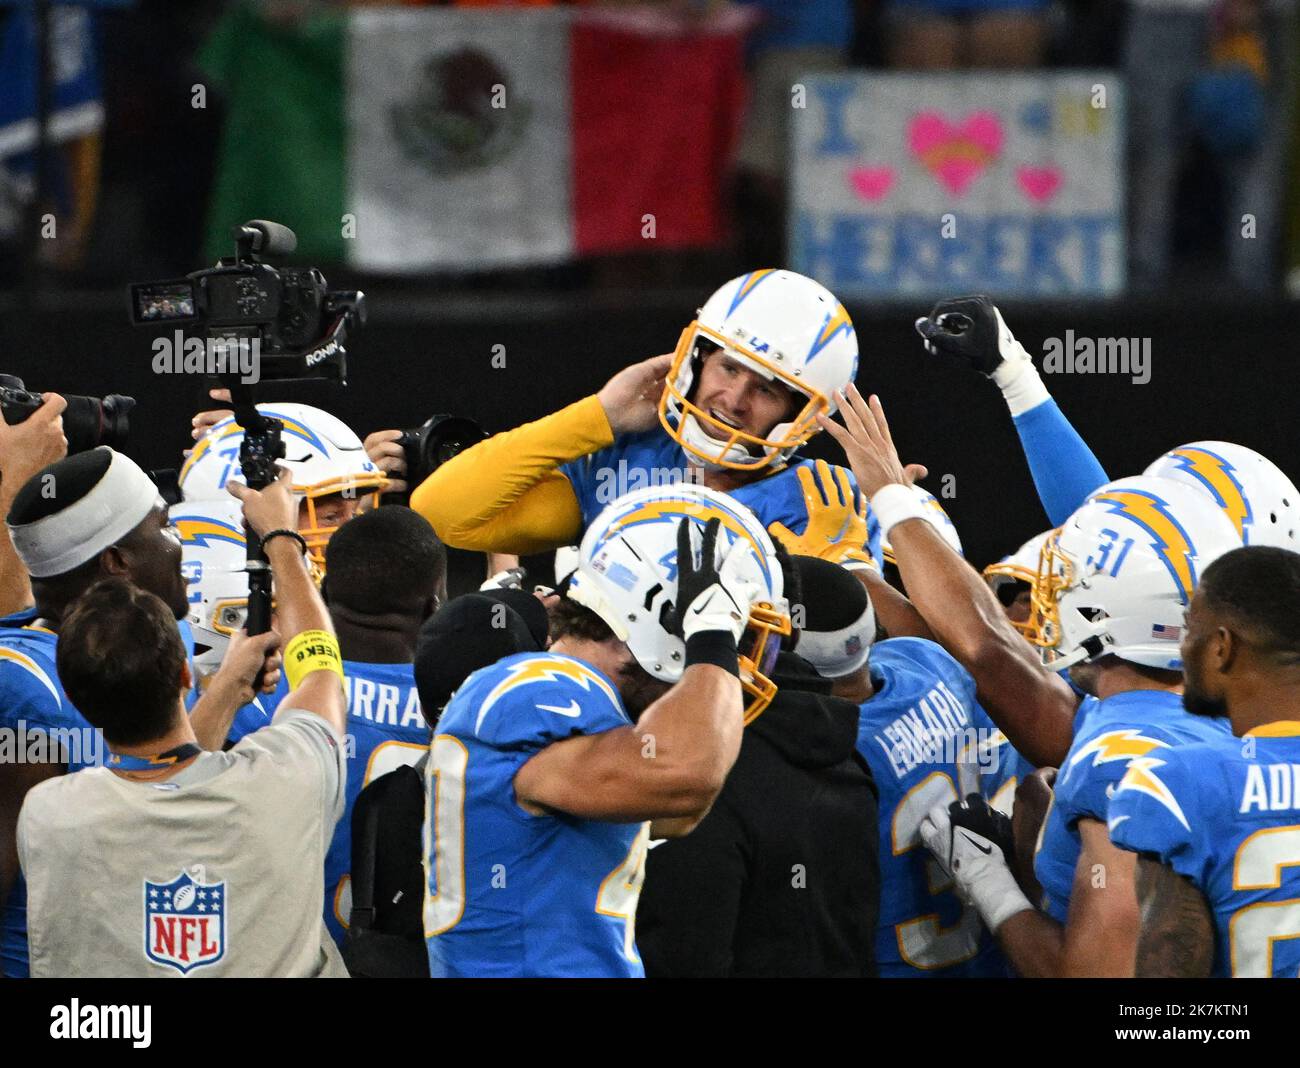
<point>1226,815</point>
<point>510,893</point>
<point>1108,734</point>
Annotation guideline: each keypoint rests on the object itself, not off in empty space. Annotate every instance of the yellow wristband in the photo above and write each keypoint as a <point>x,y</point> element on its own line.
<point>312,650</point>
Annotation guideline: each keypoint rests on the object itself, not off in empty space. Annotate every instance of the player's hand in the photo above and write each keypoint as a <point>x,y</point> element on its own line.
<point>387,454</point>
<point>205,421</point>
<point>631,397</point>
<point>246,657</point>
<point>710,594</point>
<point>837,528</point>
<point>867,444</point>
<point>969,843</point>
<point>36,442</point>
<point>273,508</point>
<point>972,330</point>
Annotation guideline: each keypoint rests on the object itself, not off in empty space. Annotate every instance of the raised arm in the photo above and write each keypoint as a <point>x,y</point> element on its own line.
<point>316,686</point>
<point>972,331</point>
<point>508,495</point>
<point>1032,705</point>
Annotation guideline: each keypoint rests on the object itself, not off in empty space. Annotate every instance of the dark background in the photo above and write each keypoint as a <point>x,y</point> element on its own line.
<point>1220,371</point>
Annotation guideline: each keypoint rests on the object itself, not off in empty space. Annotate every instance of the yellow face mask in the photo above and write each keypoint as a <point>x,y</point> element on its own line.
<point>675,408</point>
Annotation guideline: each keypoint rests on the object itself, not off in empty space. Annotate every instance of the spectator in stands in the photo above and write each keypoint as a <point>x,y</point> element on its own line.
<point>793,38</point>
<point>1218,75</point>
<point>954,34</point>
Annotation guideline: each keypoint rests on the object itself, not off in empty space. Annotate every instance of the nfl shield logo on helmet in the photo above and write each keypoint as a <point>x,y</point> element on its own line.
<point>184,922</point>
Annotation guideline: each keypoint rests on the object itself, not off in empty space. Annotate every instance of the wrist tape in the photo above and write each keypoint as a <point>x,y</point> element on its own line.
<point>312,650</point>
<point>894,503</point>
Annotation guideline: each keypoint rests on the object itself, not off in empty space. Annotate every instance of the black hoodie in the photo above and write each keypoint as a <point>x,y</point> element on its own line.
<point>781,877</point>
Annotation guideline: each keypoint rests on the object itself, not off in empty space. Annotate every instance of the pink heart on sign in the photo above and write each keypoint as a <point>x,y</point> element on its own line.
<point>1040,184</point>
<point>955,153</point>
<point>871,183</point>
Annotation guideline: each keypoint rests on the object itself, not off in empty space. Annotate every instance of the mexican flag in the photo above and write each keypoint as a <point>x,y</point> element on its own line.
<point>404,140</point>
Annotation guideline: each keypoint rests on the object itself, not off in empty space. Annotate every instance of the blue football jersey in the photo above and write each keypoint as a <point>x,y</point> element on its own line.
<point>1107,735</point>
<point>511,893</point>
<point>924,736</point>
<point>651,457</point>
<point>385,731</point>
<point>32,703</point>
<point>1226,815</point>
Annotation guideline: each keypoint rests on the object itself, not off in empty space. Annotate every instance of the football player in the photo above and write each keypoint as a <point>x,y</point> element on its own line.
<point>377,608</point>
<point>1012,579</point>
<point>1216,827</point>
<point>927,741</point>
<point>729,409</point>
<point>1112,588</point>
<point>333,478</point>
<point>546,767</point>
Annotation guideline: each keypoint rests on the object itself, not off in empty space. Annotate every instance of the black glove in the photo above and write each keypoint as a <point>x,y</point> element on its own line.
<point>710,597</point>
<point>969,329</point>
<point>978,816</point>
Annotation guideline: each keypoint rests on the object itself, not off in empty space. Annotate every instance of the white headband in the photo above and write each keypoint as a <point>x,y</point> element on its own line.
<point>836,653</point>
<point>116,505</point>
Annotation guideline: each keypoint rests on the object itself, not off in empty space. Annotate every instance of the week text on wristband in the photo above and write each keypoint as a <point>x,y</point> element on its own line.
<point>312,650</point>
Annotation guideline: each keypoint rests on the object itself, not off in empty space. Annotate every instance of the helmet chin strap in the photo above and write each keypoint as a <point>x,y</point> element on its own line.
<point>693,432</point>
<point>1091,646</point>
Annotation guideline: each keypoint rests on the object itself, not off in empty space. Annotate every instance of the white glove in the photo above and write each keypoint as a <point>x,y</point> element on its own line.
<point>976,864</point>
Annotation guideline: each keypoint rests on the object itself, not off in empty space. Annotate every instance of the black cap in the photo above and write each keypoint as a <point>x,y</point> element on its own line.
<point>529,607</point>
<point>464,635</point>
<point>832,597</point>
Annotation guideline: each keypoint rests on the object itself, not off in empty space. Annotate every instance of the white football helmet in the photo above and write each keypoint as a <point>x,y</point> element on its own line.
<point>213,555</point>
<point>627,575</point>
<point>783,326</point>
<point>324,455</point>
<point>942,523</point>
<point>1261,501</point>
<point>1119,573</point>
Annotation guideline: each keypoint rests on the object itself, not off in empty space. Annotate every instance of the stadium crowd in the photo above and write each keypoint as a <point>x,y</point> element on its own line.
<point>764,719</point>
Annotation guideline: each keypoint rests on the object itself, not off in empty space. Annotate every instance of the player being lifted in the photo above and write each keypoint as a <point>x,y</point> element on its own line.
<point>546,766</point>
<point>1112,587</point>
<point>765,355</point>
<point>1217,826</point>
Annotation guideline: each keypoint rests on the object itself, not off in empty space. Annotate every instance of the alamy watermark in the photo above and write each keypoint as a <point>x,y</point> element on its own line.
<point>1073,355</point>
<point>179,355</point>
<point>614,482</point>
<point>79,746</point>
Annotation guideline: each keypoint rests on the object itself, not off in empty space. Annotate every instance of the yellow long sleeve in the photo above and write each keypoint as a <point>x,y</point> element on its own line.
<point>507,494</point>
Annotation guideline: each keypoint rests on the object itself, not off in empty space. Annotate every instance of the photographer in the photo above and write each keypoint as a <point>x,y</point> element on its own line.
<point>87,517</point>
<point>174,859</point>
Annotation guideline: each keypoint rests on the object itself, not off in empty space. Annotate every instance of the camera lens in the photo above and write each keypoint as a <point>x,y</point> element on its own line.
<point>90,421</point>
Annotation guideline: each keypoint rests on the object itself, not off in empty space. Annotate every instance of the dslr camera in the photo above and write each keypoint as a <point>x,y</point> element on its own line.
<point>87,421</point>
